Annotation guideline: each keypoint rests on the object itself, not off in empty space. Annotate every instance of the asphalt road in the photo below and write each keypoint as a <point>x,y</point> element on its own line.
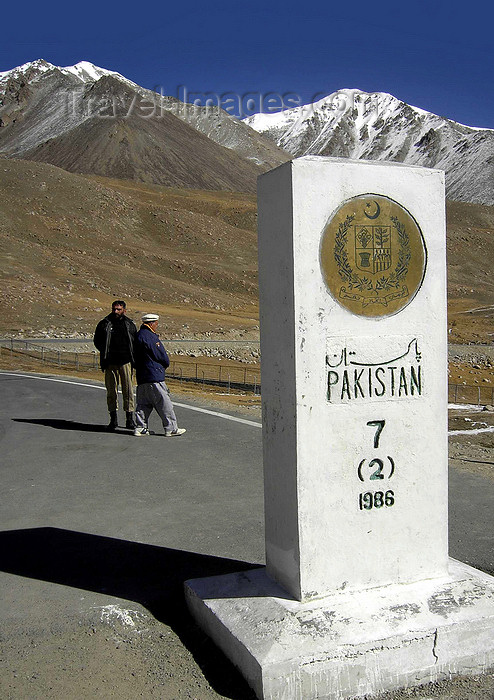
<point>77,501</point>
<point>90,518</point>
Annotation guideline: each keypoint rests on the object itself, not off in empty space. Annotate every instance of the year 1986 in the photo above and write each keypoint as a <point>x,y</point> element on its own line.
<point>377,499</point>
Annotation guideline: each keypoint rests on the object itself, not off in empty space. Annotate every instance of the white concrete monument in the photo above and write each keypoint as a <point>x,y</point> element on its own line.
<point>358,595</point>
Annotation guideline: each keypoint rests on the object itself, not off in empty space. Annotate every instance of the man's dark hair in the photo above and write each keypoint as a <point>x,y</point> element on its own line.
<point>119,303</point>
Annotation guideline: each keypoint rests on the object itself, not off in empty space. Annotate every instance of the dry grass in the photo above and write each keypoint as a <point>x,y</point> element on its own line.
<point>72,244</point>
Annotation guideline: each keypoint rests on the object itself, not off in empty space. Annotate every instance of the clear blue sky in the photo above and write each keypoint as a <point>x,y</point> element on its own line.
<point>435,55</point>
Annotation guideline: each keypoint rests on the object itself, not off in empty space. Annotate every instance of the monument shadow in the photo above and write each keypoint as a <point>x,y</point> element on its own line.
<point>149,575</point>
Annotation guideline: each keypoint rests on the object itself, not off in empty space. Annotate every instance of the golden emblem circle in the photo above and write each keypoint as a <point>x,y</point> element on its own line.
<point>373,256</point>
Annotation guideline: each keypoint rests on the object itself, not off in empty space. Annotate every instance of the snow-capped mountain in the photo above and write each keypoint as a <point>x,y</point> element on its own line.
<point>377,126</point>
<point>85,71</point>
<point>36,100</point>
<point>88,119</point>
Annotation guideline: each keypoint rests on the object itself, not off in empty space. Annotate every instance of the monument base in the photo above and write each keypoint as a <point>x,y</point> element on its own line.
<point>352,643</point>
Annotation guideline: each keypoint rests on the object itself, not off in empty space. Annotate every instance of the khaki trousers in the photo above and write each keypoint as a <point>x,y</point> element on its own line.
<point>114,373</point>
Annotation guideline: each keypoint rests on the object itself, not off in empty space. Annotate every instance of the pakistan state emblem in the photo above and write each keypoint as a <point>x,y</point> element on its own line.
<point>373,256</point>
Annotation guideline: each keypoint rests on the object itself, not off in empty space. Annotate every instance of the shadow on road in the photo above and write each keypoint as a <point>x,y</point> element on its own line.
<point>61,424</point>
<point>149,575</point>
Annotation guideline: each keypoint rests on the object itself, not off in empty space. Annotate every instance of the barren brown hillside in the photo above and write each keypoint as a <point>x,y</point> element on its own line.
<point>72,243</point>
<point>470,240</point>
<point>167,152</point>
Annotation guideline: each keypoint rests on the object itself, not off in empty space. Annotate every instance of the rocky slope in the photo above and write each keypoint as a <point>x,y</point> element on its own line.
<point>72,243</point>
<point>377,126</point>
<point>89,120</point>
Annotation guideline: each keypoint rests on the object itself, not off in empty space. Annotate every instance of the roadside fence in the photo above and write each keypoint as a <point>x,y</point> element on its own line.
<point>469,394</point>
<point>243,378</point>
<point>51,356</point>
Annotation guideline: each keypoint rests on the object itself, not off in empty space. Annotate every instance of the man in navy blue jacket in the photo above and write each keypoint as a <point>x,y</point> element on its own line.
<point>151,360</point>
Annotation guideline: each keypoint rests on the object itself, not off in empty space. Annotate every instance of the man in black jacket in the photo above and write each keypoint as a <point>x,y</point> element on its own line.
<point>114,337</point>
<point>152,392</point>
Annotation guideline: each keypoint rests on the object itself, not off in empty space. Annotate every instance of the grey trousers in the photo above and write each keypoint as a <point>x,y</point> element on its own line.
<point>155,395</point>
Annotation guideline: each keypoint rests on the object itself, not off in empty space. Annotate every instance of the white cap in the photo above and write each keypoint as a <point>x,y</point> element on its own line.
<point>148,318</point>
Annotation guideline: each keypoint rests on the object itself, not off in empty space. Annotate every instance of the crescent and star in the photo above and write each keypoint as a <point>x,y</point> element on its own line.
<point>377,212</point>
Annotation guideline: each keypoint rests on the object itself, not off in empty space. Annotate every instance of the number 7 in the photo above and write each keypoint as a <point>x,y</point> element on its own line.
<point>379,425</point>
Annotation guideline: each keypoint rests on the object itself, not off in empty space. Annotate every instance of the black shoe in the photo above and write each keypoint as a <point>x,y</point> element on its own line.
<point>130,423</point>
<point>113,424</point>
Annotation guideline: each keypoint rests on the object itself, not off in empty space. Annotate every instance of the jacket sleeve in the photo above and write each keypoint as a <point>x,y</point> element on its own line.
<point>99,339</point>
<point>132,329</point>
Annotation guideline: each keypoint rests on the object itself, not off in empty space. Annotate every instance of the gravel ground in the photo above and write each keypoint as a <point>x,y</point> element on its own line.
<point>117,652</point>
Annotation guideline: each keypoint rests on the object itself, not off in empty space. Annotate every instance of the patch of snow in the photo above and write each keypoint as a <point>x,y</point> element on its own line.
<point>476,431</point>
<point>88,72</point>
<point>109,613</point>
<point>85,71</point>
<point>340,101</point>
<point>465,407</point>
<point>40,65</point>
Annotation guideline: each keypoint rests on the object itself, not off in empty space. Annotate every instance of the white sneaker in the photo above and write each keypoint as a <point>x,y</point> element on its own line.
<point>173,433</point>
<point>138,432</point>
